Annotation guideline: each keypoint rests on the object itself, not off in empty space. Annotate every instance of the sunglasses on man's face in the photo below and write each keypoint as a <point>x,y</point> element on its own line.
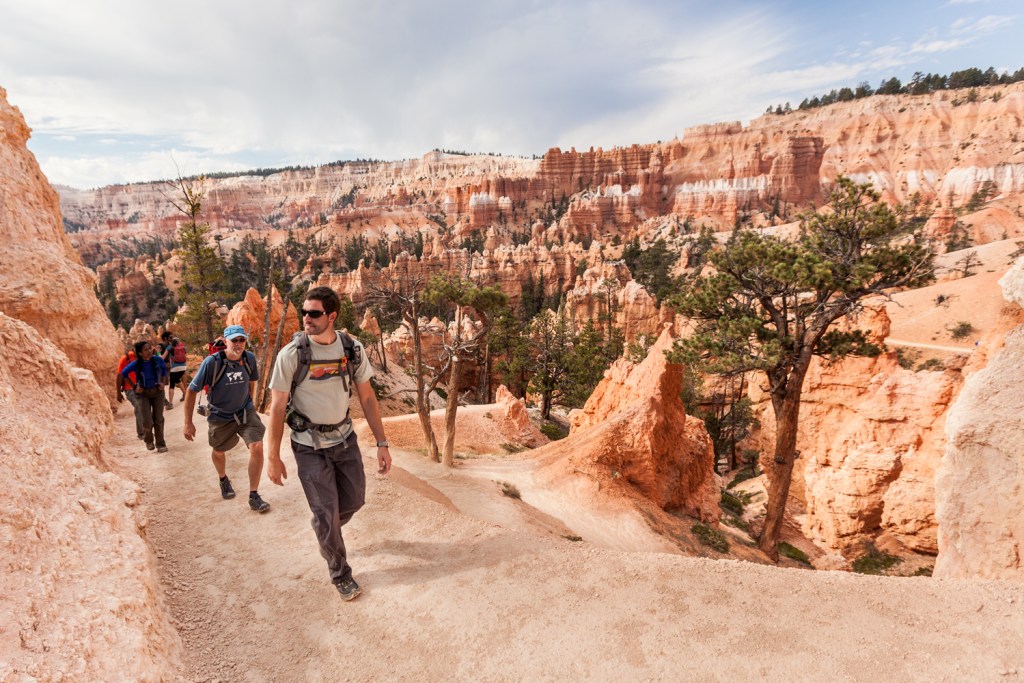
<point>312,314</point>
<point>237,340</point>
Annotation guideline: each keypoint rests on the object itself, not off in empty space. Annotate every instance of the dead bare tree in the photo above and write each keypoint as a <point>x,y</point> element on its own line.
<point>404,295</point>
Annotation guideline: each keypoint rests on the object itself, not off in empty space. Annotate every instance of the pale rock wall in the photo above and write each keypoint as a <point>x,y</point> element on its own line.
<point>79,597</point>
<point>42,279</point>
<point>980,479</point>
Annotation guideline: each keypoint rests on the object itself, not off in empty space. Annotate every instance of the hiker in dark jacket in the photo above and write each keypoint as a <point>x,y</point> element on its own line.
<point>151,377</point>
<point>231,376</point>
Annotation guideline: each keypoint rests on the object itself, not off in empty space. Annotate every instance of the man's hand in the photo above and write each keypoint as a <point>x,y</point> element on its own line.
<point>383,461</point>
<point>190,429</point>
<point>276,470</point>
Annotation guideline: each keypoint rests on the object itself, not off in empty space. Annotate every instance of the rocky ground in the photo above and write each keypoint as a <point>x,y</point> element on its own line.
<point>449,596</point>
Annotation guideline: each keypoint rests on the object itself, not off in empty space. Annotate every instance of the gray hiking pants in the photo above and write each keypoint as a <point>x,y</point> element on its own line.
<point>137,407</point>
<point>151,405</point>
<point>335,486</point>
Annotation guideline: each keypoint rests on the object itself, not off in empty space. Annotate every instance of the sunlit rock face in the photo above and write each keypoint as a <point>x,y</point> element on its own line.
<point>42,280</point>
<point>79,595</point>
<point>980,480</point>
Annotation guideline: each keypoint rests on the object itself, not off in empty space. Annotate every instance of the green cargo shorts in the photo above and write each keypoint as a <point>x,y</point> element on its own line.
<point>224,435</point>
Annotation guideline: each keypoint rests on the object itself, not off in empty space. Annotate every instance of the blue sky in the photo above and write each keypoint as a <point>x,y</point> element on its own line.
<point>119,91</point>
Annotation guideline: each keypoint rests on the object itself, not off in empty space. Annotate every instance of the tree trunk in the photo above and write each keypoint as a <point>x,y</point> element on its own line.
<point>275,348</point>
<point>451,408</point>
<point>422,405</point>
<point>261,387</point>
<point>787,417</point>
<point>383,355</point>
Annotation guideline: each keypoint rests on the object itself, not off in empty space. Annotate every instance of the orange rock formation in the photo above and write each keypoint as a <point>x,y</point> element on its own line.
<point>634,432</point>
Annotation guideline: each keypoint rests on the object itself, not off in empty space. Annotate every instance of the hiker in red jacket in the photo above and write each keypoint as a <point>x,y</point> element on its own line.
<point>124,388</point>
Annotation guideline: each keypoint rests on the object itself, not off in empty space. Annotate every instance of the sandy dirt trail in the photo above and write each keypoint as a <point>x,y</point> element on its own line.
<point>450,597</point>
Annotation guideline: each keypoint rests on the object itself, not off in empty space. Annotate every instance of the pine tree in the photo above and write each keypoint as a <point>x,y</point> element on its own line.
<point>770,304</point>
<point>202,272</point>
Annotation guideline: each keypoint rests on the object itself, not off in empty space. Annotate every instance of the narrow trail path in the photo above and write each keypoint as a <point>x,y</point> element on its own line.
<point>966,351</point>
<point>449,597</point>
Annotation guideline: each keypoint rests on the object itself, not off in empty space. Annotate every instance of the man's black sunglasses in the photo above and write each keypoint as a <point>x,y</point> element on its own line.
<point>312,314</point>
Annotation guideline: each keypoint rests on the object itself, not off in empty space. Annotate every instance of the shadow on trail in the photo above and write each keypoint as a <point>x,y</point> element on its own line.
<point>426,561</point>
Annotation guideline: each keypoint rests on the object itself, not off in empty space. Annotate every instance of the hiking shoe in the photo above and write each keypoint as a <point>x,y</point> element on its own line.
<point>149,446</point>
<point>167,404</point>
<point>161,449</point>
<point>348,588</point>
<point>226,491</point>
<point>257,504</point>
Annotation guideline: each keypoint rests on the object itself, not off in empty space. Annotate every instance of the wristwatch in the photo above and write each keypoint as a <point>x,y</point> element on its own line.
<point>382,444</point>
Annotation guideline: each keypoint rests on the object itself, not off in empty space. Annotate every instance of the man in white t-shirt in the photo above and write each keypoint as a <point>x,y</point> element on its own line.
<point>327,456</point>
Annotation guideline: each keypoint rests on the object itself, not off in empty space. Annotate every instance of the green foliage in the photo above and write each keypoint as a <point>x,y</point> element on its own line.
<point>743,475</point>
<point>772,301</point>
<point>550,348</point>
<point>919,84</point>
<point>509,490</point>
<point>652,267</point>
<point>712,538</point>
<point>907,358</point>
<point>202,273</point>
<point>958,237</point>
<point>513,448</point>
<point>924,571</point>
<point>794,553</point>
<point>733,503</point>
<point>875,562</point>
<point>553,430</point>
<point>931,364</point>
<point>510,349</point>
<point>962,330</point>
<point>700,246</point>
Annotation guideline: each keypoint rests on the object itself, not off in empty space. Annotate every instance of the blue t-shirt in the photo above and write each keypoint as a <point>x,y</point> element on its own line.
<point>150,373</point>
<point>231,395</point>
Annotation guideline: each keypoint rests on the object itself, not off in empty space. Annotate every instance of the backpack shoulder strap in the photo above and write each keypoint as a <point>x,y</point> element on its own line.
<point>353,355</point>
<point>249,359</point>
<point>219,367</point>
<point>305,354</point>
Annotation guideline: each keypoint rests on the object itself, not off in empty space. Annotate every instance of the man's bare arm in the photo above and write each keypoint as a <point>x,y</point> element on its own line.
<point>371,411</point>
<point>276,470</point>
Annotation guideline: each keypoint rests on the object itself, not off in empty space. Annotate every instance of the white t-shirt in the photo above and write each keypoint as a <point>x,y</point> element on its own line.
<point>321,396</point>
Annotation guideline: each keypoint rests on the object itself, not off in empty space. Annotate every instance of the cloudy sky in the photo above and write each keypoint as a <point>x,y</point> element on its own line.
<point>123,90</point>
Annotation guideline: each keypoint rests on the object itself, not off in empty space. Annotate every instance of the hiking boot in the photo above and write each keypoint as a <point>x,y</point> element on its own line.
<point>257,504</point>
<point>226,491</point>
<point>167,404</point>
<point>161,449</point>
<point>348,588</point>
<point>149,446</point>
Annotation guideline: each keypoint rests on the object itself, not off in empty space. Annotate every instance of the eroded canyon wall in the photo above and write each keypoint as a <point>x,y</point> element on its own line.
<point>79,596</point>
<point>42,279</point>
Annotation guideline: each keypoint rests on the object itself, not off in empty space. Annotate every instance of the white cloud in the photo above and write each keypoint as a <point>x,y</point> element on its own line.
<point>241,84</point>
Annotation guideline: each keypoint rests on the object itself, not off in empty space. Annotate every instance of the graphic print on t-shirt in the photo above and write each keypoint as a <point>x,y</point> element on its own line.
<point>321,370</point>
